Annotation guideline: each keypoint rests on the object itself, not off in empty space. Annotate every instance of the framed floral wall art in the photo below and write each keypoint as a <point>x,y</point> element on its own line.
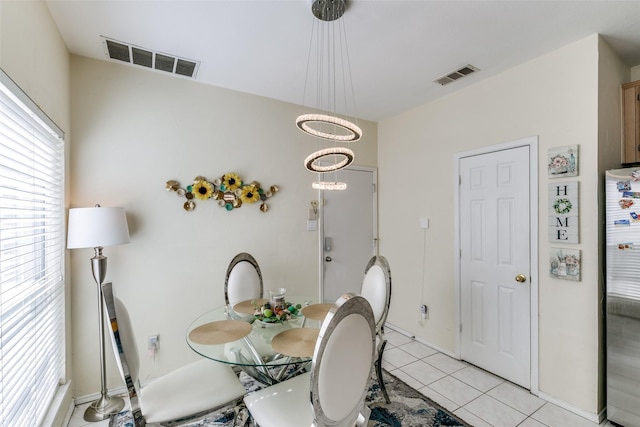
<point>562,161</point>
<point>565,264</point>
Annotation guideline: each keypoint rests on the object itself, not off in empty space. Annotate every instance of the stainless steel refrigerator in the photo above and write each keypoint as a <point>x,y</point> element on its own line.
<point>623,295</point>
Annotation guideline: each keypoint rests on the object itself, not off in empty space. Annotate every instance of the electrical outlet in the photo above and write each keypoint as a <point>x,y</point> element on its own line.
<point>424,311</point>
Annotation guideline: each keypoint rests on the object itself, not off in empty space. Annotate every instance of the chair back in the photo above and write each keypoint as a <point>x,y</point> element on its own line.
<point>243,280</point>
<point>376,288</point>
<point>124,346</point>
<point>342,362</point>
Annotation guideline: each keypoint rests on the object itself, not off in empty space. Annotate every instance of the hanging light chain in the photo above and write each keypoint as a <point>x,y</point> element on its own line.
<point>331,46</point>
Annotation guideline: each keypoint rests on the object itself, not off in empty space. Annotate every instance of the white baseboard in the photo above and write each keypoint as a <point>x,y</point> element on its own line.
<point>61,407</point>
<point>413,337</point>
<point>69,412</point>
<point>118,391</point>
<point>594,418</point>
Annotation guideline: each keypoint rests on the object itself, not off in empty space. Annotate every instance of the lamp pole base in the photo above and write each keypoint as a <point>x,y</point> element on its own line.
<point>103,408</point>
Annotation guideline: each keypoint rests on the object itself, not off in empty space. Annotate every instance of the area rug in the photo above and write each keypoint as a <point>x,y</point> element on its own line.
<point>408,408</point>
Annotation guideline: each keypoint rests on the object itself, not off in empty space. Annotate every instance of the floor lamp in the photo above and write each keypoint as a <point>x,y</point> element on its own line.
<point>95,228</point>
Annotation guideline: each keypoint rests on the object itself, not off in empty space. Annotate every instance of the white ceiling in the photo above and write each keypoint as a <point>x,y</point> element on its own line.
<point>396,47</point>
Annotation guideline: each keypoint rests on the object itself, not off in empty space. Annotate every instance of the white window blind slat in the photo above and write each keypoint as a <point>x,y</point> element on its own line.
<point>31,259</point>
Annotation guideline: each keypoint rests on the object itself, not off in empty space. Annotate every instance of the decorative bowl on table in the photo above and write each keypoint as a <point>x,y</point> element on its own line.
<point>267,314</point>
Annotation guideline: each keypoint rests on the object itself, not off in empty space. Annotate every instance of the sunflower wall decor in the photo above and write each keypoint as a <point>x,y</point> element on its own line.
<point>229,191</point>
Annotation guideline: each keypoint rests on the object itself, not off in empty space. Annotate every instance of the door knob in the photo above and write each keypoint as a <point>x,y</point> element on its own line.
<point>521,278</point>
<point>328,259</point>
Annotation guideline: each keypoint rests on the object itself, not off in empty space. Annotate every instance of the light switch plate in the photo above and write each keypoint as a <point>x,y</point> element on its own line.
<point>424,222</point>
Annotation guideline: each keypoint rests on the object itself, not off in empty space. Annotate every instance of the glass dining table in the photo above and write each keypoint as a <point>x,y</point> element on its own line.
<point>268,352</point>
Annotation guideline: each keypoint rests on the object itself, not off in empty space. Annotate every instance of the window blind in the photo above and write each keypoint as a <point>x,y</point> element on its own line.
<point>31,259</point>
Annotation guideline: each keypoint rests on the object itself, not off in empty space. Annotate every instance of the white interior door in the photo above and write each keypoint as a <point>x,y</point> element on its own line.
<point>495,299</point>
<point>348,233</point>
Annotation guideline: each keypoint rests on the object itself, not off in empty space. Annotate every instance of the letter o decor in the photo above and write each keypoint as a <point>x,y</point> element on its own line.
<point>562,206</point>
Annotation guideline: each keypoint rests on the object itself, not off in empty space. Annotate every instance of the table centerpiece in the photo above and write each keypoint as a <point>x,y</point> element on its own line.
<point>268,313</point>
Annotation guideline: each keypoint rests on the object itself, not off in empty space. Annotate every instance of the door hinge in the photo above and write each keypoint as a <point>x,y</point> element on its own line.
<point>373,188</point>
<point>459,179</point>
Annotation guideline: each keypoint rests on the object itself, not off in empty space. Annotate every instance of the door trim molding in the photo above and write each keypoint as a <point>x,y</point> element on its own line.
<point>532,143</point>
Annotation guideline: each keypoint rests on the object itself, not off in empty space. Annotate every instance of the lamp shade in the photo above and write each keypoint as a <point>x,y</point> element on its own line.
<point>97,227</point>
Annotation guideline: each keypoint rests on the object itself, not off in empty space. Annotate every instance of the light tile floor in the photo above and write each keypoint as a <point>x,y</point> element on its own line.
<point>479,398</point>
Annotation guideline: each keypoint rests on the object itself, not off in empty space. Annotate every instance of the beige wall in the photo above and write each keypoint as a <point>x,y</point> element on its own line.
<point>135,129</point>
<point>635,73</point>
<point>34,56</point>
<point>544,97</point>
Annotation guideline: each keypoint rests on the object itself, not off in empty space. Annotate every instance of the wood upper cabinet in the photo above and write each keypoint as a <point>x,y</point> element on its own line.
<point>631,122</point>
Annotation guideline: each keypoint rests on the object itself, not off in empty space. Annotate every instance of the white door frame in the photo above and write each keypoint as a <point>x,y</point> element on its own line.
<point>374,172</point>
<point>532,143</point>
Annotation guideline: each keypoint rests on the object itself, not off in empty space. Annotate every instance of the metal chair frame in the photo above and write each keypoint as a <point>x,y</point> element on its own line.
<point>129,374</point>
<point>380,261</point>
<point>241,257</point>
<point>335,389</point>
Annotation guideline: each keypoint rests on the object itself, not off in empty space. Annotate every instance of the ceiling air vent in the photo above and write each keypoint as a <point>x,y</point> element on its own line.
<point>149,59</point>
<point>457,74</point>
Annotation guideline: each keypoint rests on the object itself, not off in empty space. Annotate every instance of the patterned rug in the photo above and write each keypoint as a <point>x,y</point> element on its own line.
<point>408,408</point>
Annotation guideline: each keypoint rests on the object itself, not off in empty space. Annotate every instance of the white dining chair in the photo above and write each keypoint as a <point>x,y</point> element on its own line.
<point>333,392</point>
<point>376,288</point>
<point>187,393</point>
<point>243,281</point>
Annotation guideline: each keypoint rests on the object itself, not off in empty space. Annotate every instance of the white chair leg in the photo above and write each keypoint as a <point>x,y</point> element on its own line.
<point>241,415</point>
<point>363,417</point>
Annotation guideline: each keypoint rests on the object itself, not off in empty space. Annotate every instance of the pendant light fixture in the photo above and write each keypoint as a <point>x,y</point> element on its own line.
<point>334,92</point>
<point>324,185</point>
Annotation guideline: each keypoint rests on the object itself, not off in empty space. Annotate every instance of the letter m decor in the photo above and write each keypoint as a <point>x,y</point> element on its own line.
<point>564,221</point>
